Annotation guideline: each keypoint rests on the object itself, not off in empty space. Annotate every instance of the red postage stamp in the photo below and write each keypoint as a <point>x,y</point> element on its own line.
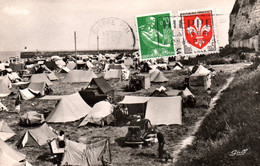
<point>199,35</point>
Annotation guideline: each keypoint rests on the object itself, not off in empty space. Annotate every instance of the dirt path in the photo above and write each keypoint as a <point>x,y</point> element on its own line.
<point>190,137</point>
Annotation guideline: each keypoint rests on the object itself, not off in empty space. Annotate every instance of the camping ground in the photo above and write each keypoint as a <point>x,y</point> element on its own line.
<point>121,154</point>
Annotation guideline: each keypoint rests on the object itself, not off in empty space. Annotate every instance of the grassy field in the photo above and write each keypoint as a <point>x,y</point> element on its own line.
<point>121,154</point>
<point>230,135</point>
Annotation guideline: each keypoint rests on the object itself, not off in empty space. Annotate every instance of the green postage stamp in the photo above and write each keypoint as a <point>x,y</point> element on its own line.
<point>155,35</point>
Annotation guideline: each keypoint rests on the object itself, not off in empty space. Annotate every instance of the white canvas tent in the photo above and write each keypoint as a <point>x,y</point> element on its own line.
<point>3,107</point>
<point>37,136</point>
<point>186,93</point>
<point>5,131</point>
<point>79,76</point>
<point>4,90</point>
<point>99,111</point>
<point>71,65</point>
<point>70,108</point>
<point>157,76</point>
<point>200,79</point>
<point>164,110</point>
<point>26,94</point>
<point>42,77</point>
<point>10,156</point>
<point>52,76</point>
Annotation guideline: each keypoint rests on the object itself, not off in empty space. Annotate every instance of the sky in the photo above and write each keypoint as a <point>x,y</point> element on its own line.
<point>49,25</point>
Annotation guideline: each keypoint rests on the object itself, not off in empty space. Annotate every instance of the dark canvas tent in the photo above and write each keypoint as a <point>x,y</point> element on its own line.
<point>135,104</point>
<point>101,85</point>
<point>5,131</point>
<point>79,76</point>
<point>97,90</point>
<point>40,78</point>
<point>70,108</point>
<point>37,136</point>
<point>51,65</point>
<point>158,93</point>
<point>16,66</point>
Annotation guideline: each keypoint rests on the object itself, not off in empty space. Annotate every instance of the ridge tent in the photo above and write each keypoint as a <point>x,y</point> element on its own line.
<point>3,108</point>
<point>173,92</point>
<point>97,90</point>
<point>164,110</point>
<point>90,65</point>
<point>128,62</point>
<point>42,77</point>
<point>97,153</point>
<point>177,68</point>
<point>158,93</point>
<point>6,80</point>
<point>64,70</point>
<point>79,76</point>
<point>38,88</point>
<point>99,114</point>
<point>202,71</point>
<point>4,90</point>
<point>201,79</point>
<point>51,65</point>
<point>186,93</point>
<point>2,66</point>
<point>16,66</point>
<point>71,65</point>
<point>11,157</point>
<point>101,85</point>
<point>112,74</point>
<point>70,108</point>
<point>157,76</point>
<point>52,76</point>
<point>26,94</point>
<point>13,76</point>
<point>145,80</point>
<point>60,62</point>
<point>37,137</point>
<point>5,131</point>
<point>73,155</point>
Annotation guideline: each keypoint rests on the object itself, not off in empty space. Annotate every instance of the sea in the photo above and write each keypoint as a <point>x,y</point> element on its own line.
<point>5,55</point>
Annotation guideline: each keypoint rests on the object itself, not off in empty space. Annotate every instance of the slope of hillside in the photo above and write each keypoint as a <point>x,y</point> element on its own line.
<point>230,134</point>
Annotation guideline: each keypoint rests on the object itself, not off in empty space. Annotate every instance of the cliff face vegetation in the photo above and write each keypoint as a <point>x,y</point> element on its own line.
<point>244,19</point>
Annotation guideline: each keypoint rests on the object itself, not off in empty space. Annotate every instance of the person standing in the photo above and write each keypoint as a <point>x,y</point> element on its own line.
<point>161,142</point>
<point>17,104</point>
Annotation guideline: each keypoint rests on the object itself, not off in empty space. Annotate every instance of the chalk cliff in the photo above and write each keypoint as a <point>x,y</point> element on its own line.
<point>244,20</point>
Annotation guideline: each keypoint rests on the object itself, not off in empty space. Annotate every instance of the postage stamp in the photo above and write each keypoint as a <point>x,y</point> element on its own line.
<point>155,35</point>
<point>199,34</point>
